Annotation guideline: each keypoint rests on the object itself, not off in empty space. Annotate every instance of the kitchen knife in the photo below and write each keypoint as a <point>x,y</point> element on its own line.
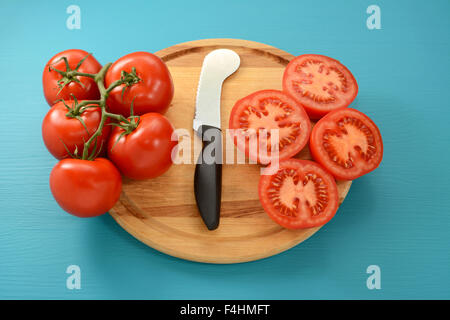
<point>217,66</point>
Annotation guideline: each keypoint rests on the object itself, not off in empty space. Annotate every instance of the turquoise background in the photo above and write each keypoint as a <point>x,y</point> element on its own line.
<point>397,217</point>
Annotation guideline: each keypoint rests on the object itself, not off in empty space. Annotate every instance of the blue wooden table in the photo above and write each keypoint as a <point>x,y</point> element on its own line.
<point>396,218</point>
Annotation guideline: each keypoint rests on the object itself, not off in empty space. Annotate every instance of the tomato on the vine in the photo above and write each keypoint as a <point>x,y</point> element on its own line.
<point>347,143</point>
<point>82,87</point>
<point>146,152</point>
<point>61,131</point>
<point>321,84</point>
<point>256,114</point>
<point>152,93</point>
<point>300,194</point>
<point>85,188</point>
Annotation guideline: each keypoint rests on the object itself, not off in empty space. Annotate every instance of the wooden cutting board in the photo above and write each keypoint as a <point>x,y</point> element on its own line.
<point>162,212</point>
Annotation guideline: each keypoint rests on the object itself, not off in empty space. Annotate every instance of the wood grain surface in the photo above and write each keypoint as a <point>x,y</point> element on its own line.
<point>162,212</point>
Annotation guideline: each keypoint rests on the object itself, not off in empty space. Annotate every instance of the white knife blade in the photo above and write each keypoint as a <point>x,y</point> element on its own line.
<point>217,66</point>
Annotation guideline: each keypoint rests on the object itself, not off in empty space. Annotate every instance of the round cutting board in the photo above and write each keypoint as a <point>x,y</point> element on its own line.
<point>162,212</point>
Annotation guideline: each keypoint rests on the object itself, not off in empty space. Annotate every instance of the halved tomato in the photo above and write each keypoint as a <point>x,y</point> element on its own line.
<point>253,118</point>
<point>301,194</point>
<point>321,84</point>
<point>347,143</point>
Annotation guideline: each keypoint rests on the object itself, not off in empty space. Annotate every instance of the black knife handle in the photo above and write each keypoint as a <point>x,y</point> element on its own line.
<point>208,176</point>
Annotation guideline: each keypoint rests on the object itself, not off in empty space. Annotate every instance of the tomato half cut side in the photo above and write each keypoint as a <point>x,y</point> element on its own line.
<point>321,84</point>
<point>347,143</point>
<point>256,115</point>
<point>301,194</point>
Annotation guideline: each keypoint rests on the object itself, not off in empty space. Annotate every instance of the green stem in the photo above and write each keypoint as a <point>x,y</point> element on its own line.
<point>94,136</point>
<point>99,78</point>
<point>114,85</point>
<point>117,117</point>
<point>75,73</point>
<point>71,76</point>
<point>86,103</point>
<point>104,92</point>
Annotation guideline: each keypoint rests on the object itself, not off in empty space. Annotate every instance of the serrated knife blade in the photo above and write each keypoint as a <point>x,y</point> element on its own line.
<point>217,66</point>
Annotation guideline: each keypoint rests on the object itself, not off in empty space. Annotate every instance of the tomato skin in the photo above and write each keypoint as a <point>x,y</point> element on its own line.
<point>343,94</point>
<point>85,188</point>
<point>297,115</point>
<point>87,91</point>
<point>147,151</point>
<point>58,129</point>
<point>152,94</point>
<point>304,216</point>
<point>360,166</point>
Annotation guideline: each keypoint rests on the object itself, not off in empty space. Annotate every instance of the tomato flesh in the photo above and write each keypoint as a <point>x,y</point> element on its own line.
<point>301,194</point>
<point>321,84</point>
<point>255,115</point>
<point>347,143</point>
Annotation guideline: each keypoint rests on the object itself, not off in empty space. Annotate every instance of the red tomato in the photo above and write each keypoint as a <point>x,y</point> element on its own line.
<point>86,90</point>
<point>269,109</point>
<point>301,194</point>
<point>152,94</point>
<point>146,151</point>
<point>321,84</point>
<point>347,143</point>
<point>58,130</point>
<point>85,188</point>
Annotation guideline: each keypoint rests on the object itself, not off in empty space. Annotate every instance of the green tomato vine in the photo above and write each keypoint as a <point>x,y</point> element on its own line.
<point>128,125</point>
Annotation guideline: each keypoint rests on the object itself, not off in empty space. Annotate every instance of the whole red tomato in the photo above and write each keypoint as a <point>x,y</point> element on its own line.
<point>153,93</point>
<point>85,90</point>
<point>85,188</point>
<point>146,151</point>
<point>58,130</point>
